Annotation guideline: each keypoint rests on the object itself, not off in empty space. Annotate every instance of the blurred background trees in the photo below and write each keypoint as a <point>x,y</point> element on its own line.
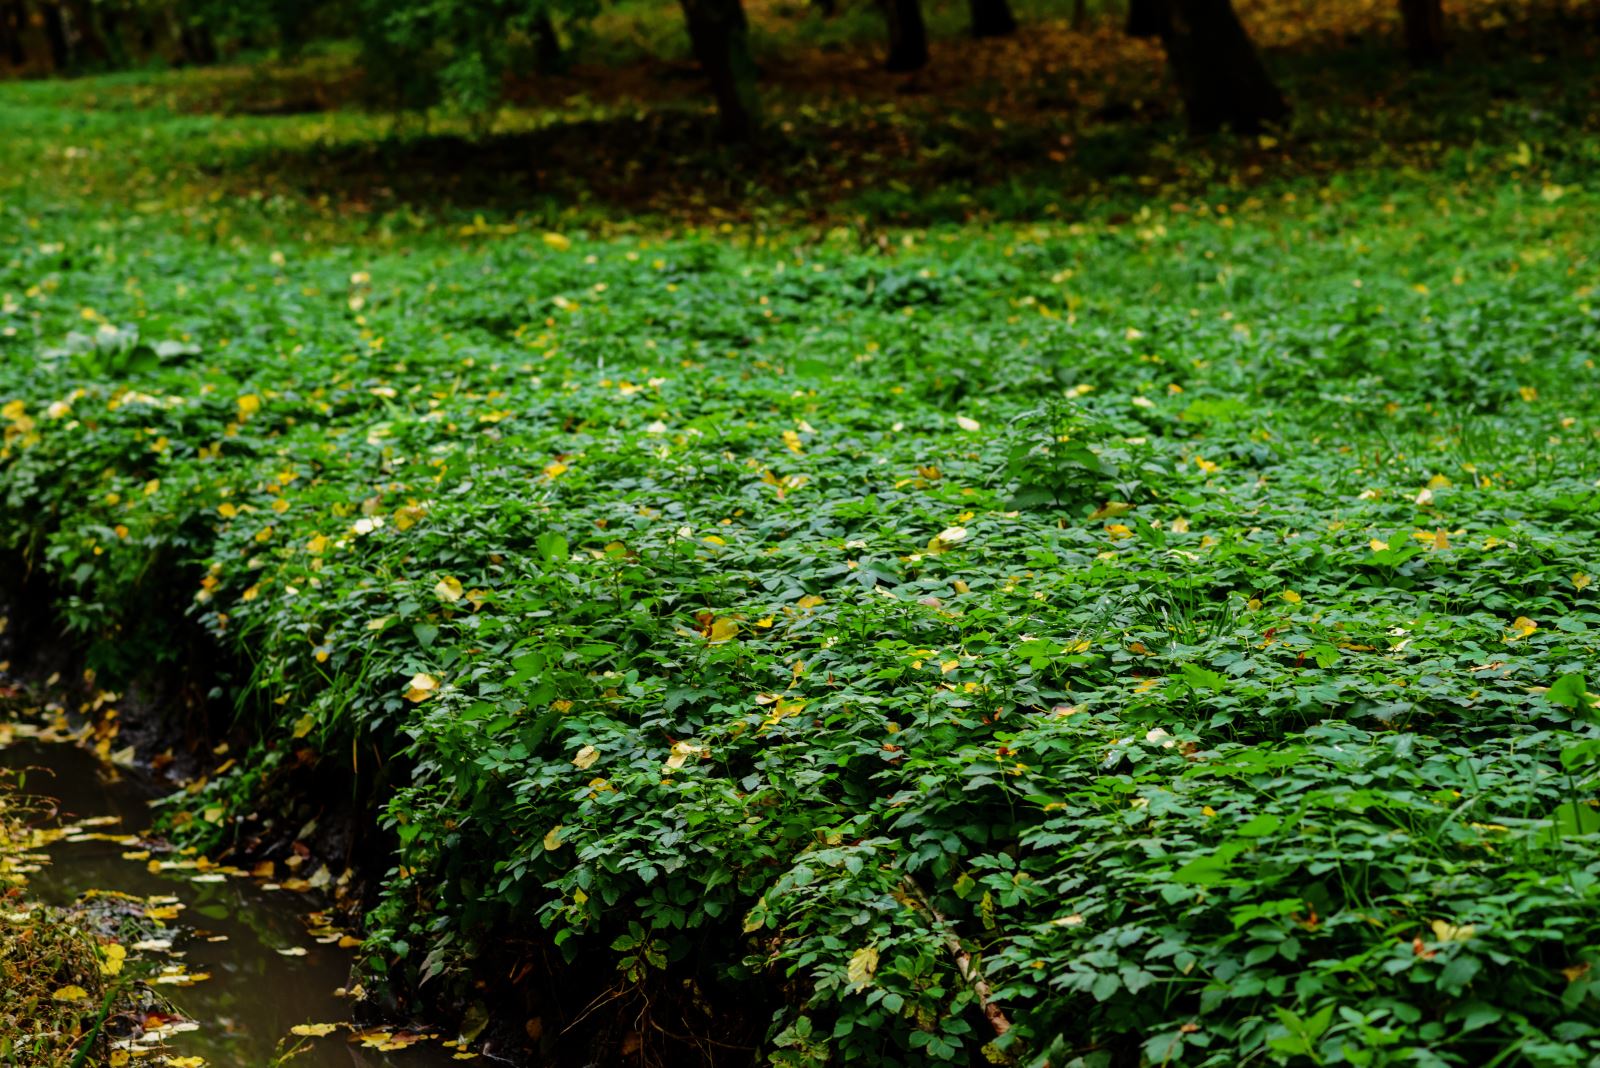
<point>418,54</point>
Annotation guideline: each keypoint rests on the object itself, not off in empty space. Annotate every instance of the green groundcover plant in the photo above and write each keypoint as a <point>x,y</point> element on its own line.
<point>1165,638</point>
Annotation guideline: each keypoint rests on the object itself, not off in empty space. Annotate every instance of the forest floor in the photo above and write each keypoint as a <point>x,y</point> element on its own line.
<point>750,612</point>
<point>1053,124</point>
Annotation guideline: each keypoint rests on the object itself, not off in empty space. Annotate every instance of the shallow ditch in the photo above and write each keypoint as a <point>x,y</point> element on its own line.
<point>249,959</point>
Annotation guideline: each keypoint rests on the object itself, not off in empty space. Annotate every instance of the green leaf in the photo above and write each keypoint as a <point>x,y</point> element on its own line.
<point>1569,692</point>
<point>1200,678</point>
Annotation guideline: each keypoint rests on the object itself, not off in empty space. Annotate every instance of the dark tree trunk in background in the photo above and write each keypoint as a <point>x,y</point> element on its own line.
<point>13,23</point>
<point>148,39</point>
<point>1080,14</point>
<point>1221,77</point>
<point>721,39</point>
<point>546,44</point>
<point>198,46</point>
<point>1144,18</point>
<point>108,26</point>
<point>992,18</point>
<point>88,42</point>
<point>1424,21</point>
<point>55,32</point>
<point>908,35</point>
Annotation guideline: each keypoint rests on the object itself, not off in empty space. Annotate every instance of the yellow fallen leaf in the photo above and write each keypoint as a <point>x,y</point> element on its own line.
<point>448,589</point>
<point>115,955</point>
<point>681,752</point>
<point>1110,510</point>
<point>968,424</point>
<point>303,725</point>
<point>947,539</point>
<point>559,242</point>
<point>1521,627</point>
<point>421,688</point>
<point>785,707</point>
<point>586,757</point>
<point>1444,931</point>
<point>810,600</point>
<point>722,630</point>
<point>552,838</point>
<point>1291,596</point>
<point>70,993</point>
<point>863,963</point>
<point>315,1030</point>
<point>1580,580</point>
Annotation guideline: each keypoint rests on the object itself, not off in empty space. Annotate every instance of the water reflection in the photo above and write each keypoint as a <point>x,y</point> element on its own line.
<point>268,973</point>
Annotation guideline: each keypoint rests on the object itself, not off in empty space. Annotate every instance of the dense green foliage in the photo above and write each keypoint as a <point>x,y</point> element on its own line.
<point>1190,605</point>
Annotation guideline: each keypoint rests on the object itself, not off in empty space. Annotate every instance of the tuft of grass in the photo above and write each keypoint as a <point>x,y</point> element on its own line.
<point>51,983</point>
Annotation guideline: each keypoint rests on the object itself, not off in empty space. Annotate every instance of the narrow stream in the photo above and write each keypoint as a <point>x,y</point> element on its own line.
<point>267,972</point>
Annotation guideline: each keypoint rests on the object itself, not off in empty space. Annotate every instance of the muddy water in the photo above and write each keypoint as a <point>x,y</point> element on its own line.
<point>267,973</point>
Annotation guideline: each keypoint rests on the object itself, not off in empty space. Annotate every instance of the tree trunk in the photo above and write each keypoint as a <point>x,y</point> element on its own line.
<point>908,35</point>
<point>992,18</point>
<point>1080,15</point>
<point>1221,77</point>
<point>83,30</point>
<point>13,23</point>
<point>55,32</point>
<point>198,46</point>
<point>108,26</point>
<point>1144,18</point>
<point>1424,22</point>
<point>547,55</point>
<point>721,39</point>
